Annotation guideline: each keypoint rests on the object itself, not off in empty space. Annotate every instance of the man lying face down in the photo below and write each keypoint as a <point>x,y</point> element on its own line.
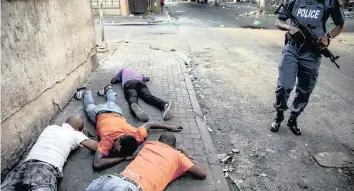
<point>156,165</point>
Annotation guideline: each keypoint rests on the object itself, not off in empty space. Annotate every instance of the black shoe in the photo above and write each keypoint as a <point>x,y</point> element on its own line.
<point>276,123</point>
<point>292,124</point>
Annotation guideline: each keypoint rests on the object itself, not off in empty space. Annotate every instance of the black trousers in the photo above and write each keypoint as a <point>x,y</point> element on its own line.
<point>136,88</point>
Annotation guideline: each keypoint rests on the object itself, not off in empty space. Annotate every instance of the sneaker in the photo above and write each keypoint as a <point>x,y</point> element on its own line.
<point>139,113</point>
<point>276,123</point>
<point>107,87</point>
<point>102,92</point>
<point>292,124</point>
<point>167,113</point>
<point>79,94</point>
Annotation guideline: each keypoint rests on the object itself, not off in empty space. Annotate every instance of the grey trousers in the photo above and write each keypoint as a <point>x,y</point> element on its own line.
<point>304,66</point>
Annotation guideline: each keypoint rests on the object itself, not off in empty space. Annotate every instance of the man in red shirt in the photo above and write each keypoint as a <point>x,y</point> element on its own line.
<point>157,164</point>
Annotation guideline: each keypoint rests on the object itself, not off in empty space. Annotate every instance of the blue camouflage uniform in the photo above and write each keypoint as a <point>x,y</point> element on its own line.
<point>303,63</point>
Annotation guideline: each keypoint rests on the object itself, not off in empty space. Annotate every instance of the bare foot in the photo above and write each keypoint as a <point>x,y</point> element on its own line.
<point>167,113</point>
<point>140,114</point>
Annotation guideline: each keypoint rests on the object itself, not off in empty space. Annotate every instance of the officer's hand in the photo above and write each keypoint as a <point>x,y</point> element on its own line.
<point>293,30</point>
<point>296,34</point>
<point>324,41</point>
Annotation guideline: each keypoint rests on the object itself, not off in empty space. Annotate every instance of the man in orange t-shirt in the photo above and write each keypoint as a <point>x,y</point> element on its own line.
<point>157,164</point>
<point>117,136</point>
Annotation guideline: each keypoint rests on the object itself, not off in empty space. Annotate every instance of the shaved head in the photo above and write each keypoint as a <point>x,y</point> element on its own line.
<point>168,138</point>
<point>75,122</point>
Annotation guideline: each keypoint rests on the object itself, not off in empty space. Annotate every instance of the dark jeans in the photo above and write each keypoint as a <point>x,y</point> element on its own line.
<point>136,88</point>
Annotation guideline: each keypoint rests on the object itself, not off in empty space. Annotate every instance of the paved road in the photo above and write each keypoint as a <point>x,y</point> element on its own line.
<point>230,16</point>
<point>211,16</point>
<point>235,75</point>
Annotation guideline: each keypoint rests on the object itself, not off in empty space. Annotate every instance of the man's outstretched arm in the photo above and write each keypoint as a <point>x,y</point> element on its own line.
<point>90,144</point>
<point>100,162</point>
<point>153,125</point>
<point>117,78</point>
<point>196,171</point>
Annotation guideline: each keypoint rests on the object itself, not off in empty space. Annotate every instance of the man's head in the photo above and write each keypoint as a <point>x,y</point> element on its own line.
<point>75,122</point>
<point>126,145</point>
<point>168,138</point>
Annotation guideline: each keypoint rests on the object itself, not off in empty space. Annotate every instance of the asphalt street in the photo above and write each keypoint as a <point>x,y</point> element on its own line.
<point>234,66</point>
<point>231,15</point>
<point>235,77</point>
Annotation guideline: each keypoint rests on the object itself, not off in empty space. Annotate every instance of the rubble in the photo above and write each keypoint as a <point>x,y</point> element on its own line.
<point>209,129</point>
<point>154,48</point>
<point>235,151</point>
<point>233,180</point>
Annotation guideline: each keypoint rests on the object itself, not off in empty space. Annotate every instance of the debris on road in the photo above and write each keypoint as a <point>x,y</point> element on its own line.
<point>235,151</point>
<point>154,48</point>
<point>201,96</point>
<point>228,169</point>
<point>262,175</point>
<point>233,180</point>
<point>209,129</point>
<point>256,22</point>
<point>334,159</point>
<point>254,155</point>
<point>222,155</point>
<point>224,158</point>
<point>302,184</point>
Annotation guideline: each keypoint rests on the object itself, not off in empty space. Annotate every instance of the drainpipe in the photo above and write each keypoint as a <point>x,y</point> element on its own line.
<point>101,22</point>
<point>103,46</point>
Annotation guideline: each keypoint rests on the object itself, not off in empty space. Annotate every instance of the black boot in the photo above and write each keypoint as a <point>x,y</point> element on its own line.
<point>277,121</point>
<point>292,124</point>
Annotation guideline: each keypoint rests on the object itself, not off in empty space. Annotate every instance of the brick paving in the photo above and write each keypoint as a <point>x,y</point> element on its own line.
<point>170,81</point>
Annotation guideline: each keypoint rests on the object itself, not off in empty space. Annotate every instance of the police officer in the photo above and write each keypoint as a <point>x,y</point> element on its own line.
<point>303,61</point>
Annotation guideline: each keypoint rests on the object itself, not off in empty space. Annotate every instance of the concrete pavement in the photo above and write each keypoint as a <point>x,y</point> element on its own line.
<point>168,81</point>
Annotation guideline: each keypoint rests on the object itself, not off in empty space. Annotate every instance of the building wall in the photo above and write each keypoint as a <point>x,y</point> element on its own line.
<point>48,49</point>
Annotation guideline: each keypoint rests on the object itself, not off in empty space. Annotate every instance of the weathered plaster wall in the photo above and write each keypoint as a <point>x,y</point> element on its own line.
<point>47,50</point>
